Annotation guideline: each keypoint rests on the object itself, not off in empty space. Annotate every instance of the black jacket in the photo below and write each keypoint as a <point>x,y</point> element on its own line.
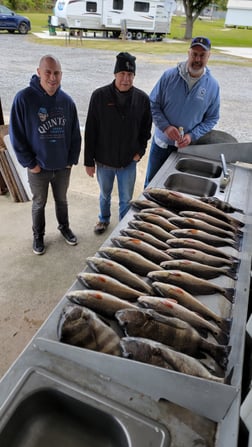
<point>113,135</point>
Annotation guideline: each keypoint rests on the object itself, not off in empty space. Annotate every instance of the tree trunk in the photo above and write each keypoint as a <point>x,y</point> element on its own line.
<point>189,28</point>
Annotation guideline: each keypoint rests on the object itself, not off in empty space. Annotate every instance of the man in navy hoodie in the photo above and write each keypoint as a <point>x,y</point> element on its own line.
<point>45,134</point>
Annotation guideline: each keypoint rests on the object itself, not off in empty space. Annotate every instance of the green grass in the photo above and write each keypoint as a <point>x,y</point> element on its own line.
<point>214,29</point>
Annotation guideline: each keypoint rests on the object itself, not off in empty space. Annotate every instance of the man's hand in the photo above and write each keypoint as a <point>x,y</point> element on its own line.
<point>90,170</point>
<point>36,169</point>
<point>184,141</point>
<point>173,134</point>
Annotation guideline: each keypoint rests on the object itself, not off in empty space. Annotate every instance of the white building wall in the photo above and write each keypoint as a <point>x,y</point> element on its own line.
<point>239,13</point>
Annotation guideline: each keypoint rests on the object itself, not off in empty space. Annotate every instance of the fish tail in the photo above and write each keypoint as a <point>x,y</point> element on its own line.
<point>229,294</point>
<point>238,210</point>
<point>235,264</point>
<point>231,273</point>
<point>225,324</point>
<point>228,379</point>
<point>237,244</point>
<point>220,354</point>
<point>221,337</point>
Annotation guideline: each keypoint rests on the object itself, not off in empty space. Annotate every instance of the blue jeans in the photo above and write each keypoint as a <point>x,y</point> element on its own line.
<point>158,155</point>
<point>39,184</point>
<point>126,178</point>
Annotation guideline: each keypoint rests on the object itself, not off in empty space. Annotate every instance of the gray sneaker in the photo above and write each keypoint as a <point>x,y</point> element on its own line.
<point>100,227</point>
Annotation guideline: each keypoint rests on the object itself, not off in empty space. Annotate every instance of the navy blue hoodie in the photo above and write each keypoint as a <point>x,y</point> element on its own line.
<point>44,130</point>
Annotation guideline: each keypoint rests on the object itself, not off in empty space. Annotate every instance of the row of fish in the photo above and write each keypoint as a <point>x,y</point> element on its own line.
<point>140,298</point>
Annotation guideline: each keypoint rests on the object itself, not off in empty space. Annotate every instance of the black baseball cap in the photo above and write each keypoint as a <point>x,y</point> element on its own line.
<point>203,42</point>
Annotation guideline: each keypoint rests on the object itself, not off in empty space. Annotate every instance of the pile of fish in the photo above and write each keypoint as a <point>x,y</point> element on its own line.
<point>140,295</point>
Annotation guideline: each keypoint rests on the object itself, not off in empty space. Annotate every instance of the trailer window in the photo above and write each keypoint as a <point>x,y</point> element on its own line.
<point>141,7</point>
<point>91,6</point>
<point>118,4</point>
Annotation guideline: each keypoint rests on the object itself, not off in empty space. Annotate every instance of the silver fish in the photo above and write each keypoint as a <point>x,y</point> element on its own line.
<point>108,285</point>
<point>212,266</point>
<point>201,246</point>
<point>188,222</point>
<point>160,211</point>
<point>133,261</point>
<point>191,283</point>
<point>170,331</point>
<point>190,302</point>
<point>205,237</point>
<point>168,306</point>
<point>155,219</point>
<point>153,229</point>
<point>143,203</point>
<point>81,327</point>
<point>158,354</point>
<point>139,246</point>
<point>178,202</point>
<point>211,220</point>
<point>98,301</point>
<point>146,237</point>
<point>116,270</point>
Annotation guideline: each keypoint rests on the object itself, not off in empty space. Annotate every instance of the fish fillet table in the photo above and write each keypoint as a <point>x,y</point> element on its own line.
<point>177,401</point>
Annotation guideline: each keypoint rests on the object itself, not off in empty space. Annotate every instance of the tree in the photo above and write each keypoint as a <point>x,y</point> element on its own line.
<point>193,9</point>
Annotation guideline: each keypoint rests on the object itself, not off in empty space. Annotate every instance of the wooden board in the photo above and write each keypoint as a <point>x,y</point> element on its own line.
<point>22,172</point>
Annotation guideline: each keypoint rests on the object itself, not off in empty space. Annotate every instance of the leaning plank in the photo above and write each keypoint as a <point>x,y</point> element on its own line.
<point>22,172</point>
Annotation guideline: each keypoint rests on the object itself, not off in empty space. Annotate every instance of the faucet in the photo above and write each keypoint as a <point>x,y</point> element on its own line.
<point>226,174</point>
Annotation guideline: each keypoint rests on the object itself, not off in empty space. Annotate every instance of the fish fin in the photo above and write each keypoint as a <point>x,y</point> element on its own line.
<point>229,294</point>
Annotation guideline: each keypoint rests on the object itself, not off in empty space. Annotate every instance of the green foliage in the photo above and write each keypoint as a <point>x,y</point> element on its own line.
<point>28,5</point>
<point>221,4</point>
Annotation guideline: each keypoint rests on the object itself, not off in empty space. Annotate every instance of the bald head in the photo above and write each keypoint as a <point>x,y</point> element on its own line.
<point>50,73</point>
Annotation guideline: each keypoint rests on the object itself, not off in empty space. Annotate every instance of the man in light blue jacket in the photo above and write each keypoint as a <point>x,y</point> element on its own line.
<point>185,105</point>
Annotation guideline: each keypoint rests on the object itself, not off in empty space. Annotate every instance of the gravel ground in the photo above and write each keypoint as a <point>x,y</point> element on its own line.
<point>30,286</point>
<point>86,69</point>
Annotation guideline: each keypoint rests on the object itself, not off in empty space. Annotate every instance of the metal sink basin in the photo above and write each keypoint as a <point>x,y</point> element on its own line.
<point>46,412</point>
<point>199,167</point>
<point>190,184</point>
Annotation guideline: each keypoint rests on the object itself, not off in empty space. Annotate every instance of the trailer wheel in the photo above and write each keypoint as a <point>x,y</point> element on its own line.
<point>129,35</point>
<point>139,35</point>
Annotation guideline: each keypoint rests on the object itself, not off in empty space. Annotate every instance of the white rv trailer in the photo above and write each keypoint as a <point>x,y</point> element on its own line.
<point>139,18</point>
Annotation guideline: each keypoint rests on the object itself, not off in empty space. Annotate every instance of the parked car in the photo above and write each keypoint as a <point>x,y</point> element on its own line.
<point>12,22</point>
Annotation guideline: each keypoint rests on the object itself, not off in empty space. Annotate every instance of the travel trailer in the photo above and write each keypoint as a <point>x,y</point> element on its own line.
<point>137,19</point>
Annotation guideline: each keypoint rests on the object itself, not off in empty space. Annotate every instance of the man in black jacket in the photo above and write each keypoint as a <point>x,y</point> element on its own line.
<point>117,130</point>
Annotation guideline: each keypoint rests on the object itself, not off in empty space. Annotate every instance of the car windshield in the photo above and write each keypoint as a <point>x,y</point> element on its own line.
<point>4,10</point>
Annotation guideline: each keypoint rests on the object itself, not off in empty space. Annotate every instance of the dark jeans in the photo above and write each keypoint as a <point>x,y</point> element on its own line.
<point>157,157</point>
<point>39,184</point>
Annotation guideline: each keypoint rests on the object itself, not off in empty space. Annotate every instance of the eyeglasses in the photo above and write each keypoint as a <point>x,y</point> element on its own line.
<point>202,41</point>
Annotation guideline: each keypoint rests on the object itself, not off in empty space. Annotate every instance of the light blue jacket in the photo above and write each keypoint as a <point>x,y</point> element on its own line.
<point>172,103</point>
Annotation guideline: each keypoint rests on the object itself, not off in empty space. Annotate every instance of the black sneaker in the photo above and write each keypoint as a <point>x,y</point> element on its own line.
<point>68,235</point>
<point>38,245</point>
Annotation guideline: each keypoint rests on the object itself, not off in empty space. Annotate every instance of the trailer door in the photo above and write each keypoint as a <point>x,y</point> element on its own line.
<point>112,13</point>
